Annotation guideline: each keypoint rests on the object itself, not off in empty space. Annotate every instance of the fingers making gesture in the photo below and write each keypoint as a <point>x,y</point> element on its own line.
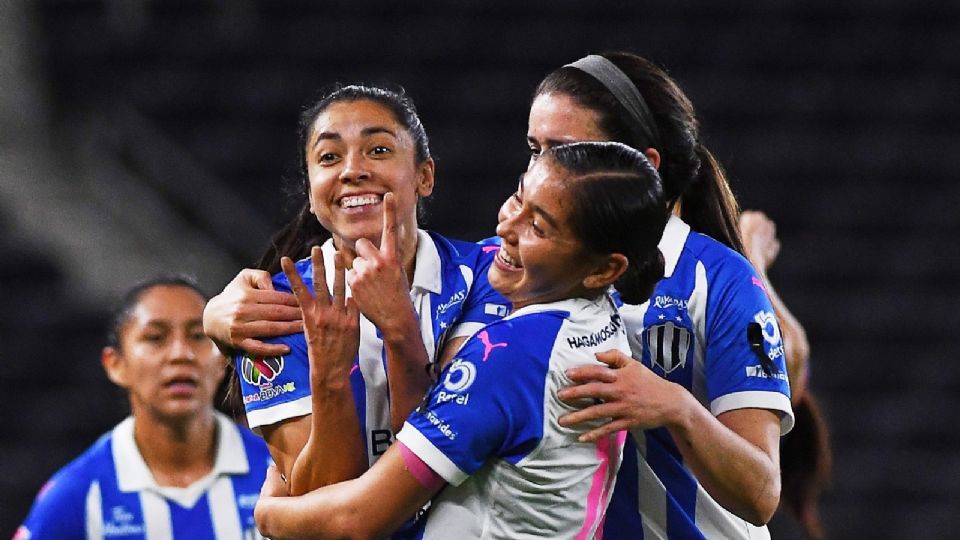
<point>377,281</point>
<point>331,324</point>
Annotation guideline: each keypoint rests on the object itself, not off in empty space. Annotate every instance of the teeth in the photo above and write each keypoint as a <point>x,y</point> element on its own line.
<point>507,259</point>
<point>359,200</point>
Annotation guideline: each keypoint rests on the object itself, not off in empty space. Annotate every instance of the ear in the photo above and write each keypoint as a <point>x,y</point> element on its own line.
<point>609,270</point>
<point>114,365</point>
<point>425,178</point>
<point>653,156</point>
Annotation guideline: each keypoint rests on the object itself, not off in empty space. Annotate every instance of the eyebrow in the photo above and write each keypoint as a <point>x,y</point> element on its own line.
<point>365,132</point>
<point>539,210</point>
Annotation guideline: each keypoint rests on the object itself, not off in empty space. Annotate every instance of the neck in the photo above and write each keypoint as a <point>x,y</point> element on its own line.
<point>177,453</point>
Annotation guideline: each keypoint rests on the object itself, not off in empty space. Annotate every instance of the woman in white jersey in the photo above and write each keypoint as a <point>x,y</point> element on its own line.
<point>485,444</point>
<point>709,399</point>
<point>419,294</point>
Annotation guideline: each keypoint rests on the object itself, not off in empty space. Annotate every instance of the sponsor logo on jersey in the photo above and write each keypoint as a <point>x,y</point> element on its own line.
<point>452,301</point>
<point>758,371</point>
<point>122,523</point>
<point>22,533</point>
<point>488,347</point>
<point>768,323</point>
<point>269,391</point>
<point>460,376</point>
<point>668,344</point>
<point>612,328</point>
<point>665,301</point>
<point>259,370</point>
<point>247,500</point>
<point>758,283</point>
<point>442,427</point>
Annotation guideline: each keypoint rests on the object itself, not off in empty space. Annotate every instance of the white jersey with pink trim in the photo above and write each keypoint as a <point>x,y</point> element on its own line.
<point>490,429</point>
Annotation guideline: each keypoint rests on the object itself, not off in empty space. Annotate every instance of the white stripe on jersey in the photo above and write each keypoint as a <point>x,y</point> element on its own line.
<point>223,514</point>
<point>375,380</point>
<point>653,500</point>
<point>156,516</point>
<point>94,512</point>
<point>697,308</point>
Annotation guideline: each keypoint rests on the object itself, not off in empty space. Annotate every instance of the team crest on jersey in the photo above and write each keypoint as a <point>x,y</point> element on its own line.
<point>668,344</point>
<point>259,370</point>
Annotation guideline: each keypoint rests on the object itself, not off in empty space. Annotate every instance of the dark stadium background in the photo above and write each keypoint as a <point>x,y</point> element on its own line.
<point>142,136</point>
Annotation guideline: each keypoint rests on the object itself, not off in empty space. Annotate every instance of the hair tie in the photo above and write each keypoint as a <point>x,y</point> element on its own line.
<point>623,89</point>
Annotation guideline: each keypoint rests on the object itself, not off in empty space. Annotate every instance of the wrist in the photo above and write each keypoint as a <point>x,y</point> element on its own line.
<point>402,324</point>
<point>681,415</point>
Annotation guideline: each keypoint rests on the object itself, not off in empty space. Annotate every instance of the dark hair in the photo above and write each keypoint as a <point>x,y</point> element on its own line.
<point>619,207</point>
<point>805,465</point>
<point>690,174</point>
<point>122,310</point>
<point>303,231</point>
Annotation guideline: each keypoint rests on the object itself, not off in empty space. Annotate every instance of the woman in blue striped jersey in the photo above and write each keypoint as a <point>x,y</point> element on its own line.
<point>175,468</point>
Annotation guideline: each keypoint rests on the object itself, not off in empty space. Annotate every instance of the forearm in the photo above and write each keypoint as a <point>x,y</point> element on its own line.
<point>334,449</point>
<point>407,376</point>
<point>325,513</point>
<point>740,475</point>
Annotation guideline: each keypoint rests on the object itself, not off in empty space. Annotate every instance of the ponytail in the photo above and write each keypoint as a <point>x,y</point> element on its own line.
<point>638,281</point>
<point>708,204</point>
<point>294,240</point>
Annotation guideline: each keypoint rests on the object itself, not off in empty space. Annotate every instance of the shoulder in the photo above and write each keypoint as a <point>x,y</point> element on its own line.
<point>716,257</point>
<point>461,251</point>
<point>60,501</point>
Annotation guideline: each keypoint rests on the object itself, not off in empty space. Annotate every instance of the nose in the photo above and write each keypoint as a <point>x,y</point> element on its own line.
<point>508,209</point>
<point>507,229</point>
<point>354,168</point>
<point>181,349</point>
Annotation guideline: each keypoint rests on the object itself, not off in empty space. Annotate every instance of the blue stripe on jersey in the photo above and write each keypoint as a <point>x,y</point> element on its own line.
<point>623,521</point>
<point>682,492</point>
<point>359,387</point>
<point>186,522</point>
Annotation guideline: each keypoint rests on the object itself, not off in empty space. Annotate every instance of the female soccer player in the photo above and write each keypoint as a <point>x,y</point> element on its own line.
<point>419,293</point>
<point>590,215</point>
<point>175,468</point>
<point>709,399</point>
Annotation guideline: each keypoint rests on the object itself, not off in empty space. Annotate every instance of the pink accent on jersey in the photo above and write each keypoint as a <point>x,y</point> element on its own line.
<point>758,282</point>
<point>490,249</point>
<point>603,480</point>
<point>420,470</point>
<point>488,347</point>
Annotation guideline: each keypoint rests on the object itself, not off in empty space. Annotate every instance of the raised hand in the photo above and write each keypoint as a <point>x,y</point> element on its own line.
<point>630,395</point>
<point>377,280</point>
<point>248,310</point>
<point>760,241</point>
<point>331,325</point>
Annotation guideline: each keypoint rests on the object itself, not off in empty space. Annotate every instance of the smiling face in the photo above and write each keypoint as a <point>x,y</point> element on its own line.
<point>541,259</point>
<point>357,152</point>
<point>170,368</point>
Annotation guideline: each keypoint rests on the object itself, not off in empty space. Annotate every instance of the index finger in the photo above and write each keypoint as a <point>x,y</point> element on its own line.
<point>388,238</point>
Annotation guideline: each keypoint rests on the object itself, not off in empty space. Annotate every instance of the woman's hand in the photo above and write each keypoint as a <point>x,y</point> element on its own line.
<point>378,282</point>
<point>631,395</point>
<point>331,325</point>
<point>248,310</point>
<point>759,239</point>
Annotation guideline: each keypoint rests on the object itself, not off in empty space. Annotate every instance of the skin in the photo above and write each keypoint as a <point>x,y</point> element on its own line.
<point>735,455</point>
<point>170,370</point>
<point>355,149</point>
<point>551,267</point>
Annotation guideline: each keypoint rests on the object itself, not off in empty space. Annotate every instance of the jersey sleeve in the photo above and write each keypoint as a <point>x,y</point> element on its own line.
<point>745,366</point>
<point>488,403</point>
<point>277,388</point>
<point>58,510</point>
<point>483,304</point>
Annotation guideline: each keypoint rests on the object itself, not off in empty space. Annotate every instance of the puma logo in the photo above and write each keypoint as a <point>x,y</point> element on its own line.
<point>488,347</point>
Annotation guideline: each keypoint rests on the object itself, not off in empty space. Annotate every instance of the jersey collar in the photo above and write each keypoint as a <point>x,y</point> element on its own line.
<point>671,243</point>
<point>134,475</point>
<point>426,275</point>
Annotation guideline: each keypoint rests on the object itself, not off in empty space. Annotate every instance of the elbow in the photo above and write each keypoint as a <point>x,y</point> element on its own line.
<point>762,508</point>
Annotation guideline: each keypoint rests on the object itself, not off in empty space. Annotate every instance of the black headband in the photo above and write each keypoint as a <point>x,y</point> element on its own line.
<point>623,89</point>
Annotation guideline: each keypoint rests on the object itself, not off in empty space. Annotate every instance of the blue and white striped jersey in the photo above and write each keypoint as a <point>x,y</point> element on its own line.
<point>452,297</point>
<point>490,429</point>
<point>695,331</point>
<point>108,492</point>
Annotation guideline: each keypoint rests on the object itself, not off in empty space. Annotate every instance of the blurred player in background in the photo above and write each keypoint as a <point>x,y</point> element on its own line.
<point>175,468</point>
